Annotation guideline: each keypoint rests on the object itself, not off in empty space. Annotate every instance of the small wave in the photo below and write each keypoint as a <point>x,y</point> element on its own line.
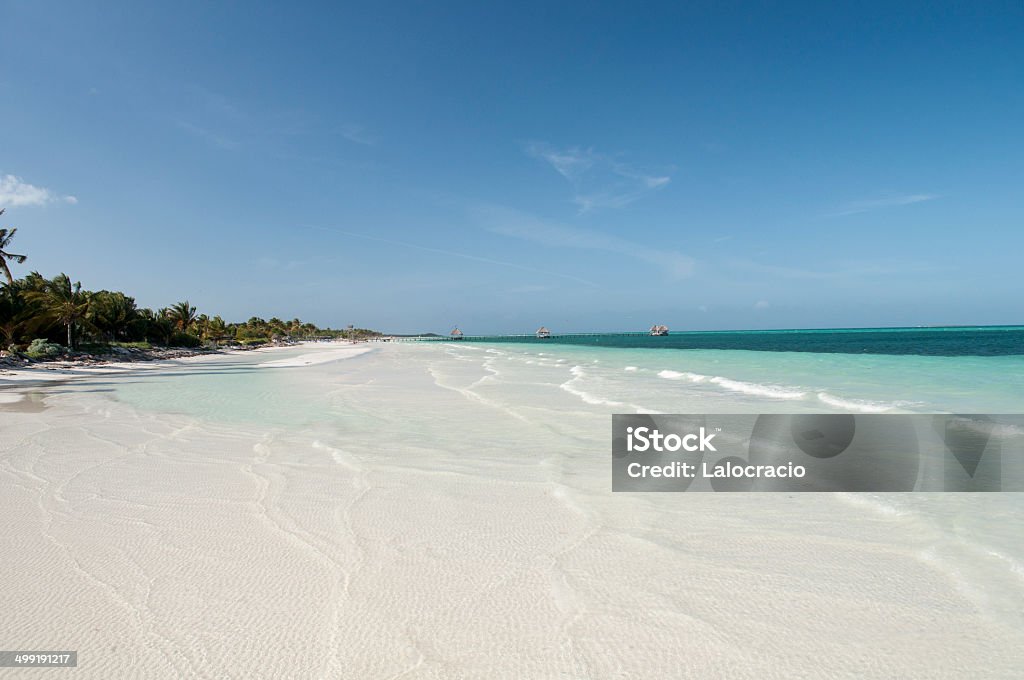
<point>589,398</point>
<point>685,375</point>
<point>470,394</point>
<point>481,381</point>
<point>1006,430</point>
<point>758,389</point>
<point>630,368</point>
<point>340,457</point>
<point>1015,566</point>
<point>857,404</point>
<point>579,374</point>
<point>875,504</point>
<point>563,494</point>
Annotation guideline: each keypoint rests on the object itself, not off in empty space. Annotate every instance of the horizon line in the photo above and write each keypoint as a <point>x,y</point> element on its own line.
<point>727,330</point>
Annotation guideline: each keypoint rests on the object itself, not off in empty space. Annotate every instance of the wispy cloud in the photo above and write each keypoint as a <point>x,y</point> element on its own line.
<point>230,124</point>
<point>209,136</point>
<point>515,224</point>
<point>530,288</point>
<point>357,134</point>
<point>452,253</point>
<point>840,270</point>
<point>598,180</point>
<point>570,163</point>
<point>206,115</point>
<point>15,192</point>
<point>855,207</point>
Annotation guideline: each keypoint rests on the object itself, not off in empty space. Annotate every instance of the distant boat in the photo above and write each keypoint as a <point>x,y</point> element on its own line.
<point>456,334</point>
<point>657,330</point>
<point>543,332</point>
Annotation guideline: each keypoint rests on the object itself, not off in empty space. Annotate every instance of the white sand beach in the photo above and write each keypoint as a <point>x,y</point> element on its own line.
<point>431,511</point>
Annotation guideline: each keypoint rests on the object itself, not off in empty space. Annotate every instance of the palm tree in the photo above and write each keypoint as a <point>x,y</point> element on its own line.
<point>62,302</point>
<point>114,314</point>
<point>5,240</point>
<point>202,326</point>
<point>158,329</point>
<point>182,315</point>
<point>216,329</point>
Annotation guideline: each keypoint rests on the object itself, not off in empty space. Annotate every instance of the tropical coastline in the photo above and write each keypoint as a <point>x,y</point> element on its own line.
<point>441,493</point>
<point>465,474</point>
<point>543,341</point>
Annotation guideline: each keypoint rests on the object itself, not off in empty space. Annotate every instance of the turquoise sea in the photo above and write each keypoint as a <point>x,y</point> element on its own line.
<point>966,370</point>
<point>950,341</point>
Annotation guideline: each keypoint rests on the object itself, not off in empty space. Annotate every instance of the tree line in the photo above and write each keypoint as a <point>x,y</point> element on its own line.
<point>34,309</point>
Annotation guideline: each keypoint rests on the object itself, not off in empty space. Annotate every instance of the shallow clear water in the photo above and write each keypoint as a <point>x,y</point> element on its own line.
<point>419,406</point>
<point>616,379</point>
<point>516,439</point>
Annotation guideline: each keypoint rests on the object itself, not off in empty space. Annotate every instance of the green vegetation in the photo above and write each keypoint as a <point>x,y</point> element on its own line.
<point>131,345</point>
<point>48,317</point>
<point>41,348</point>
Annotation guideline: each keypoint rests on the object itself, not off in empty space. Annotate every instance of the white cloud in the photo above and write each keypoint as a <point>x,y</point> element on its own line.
<point>209,136</point>
<point>838,270</point>
<point>569,163</point>
<point>356,133</point>
<point>530,288</point>
<point>598,180</point>
<point>856,207</point>
<point>512,223</point>
<point>15,192</point>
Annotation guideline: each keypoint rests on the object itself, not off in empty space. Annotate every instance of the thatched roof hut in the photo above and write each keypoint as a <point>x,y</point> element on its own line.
<point>543,332</point>
<point>659,330</point>
<point>456,333</point>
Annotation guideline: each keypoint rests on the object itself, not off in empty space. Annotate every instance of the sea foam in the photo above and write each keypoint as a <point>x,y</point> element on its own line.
<point>861,405</point>
<point>757,389</point>
<point>684,375</point>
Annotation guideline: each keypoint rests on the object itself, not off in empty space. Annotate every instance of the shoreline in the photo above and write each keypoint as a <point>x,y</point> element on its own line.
<point>453,507</point>
<point>15,372</point>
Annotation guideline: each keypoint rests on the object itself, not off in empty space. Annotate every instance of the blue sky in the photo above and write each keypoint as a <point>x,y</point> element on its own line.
<point>601,166</point>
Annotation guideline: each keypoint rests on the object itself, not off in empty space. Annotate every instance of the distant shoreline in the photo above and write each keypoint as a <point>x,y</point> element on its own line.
<point>11,366</point>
